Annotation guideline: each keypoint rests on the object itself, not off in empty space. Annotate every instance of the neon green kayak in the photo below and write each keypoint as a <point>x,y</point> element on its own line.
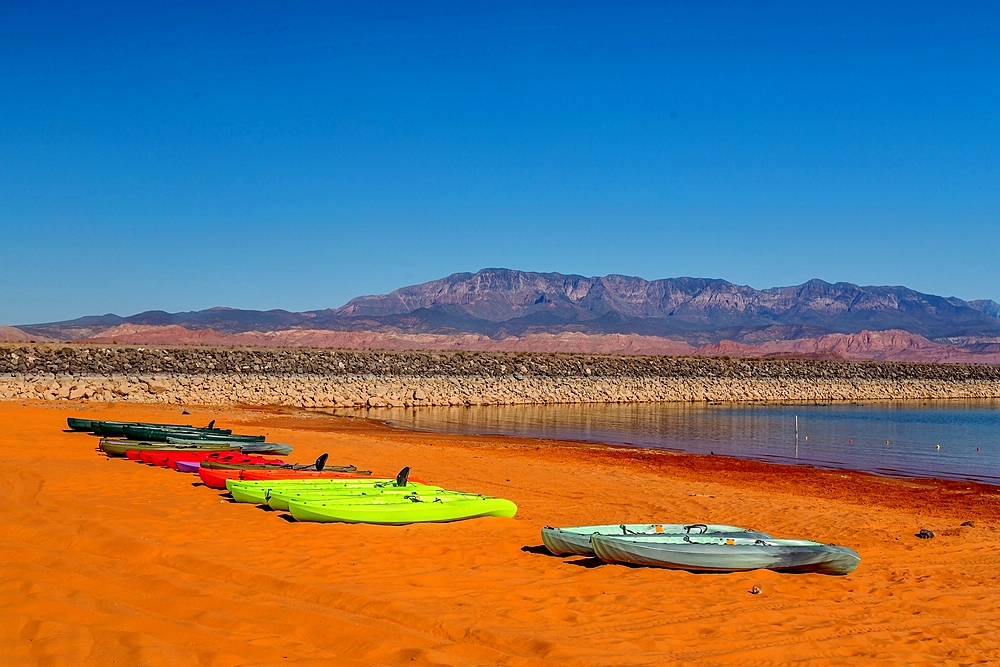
<point>256,492</point>
<point>278,499</point>
<point>408,509</point>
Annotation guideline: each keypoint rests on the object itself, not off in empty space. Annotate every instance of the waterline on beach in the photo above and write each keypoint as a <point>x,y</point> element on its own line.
<point>943,439</point>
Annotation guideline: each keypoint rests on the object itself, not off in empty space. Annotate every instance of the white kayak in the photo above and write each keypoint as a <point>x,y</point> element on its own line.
<point>708,553</point>
<point>576,539</point>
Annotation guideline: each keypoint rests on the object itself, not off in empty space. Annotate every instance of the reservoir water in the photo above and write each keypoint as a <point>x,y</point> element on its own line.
<point>944,439</point>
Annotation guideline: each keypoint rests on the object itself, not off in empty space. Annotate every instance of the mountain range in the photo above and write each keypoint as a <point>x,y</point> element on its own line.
<point>503,309</point>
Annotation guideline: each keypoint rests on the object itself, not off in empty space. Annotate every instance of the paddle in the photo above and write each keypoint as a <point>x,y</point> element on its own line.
<point>403,476</point>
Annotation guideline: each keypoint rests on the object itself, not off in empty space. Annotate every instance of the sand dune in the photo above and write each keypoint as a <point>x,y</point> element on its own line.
<point>110,562</point>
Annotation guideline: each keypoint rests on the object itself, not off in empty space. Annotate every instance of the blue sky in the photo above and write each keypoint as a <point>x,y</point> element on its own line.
<point>294,155</point>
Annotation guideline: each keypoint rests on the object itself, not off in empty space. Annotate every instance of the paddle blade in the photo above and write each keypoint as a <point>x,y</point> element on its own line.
<point>403,475</point>
<point>321,461</point>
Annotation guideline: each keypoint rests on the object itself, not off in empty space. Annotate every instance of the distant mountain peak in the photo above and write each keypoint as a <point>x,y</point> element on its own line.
<point>499,303</point>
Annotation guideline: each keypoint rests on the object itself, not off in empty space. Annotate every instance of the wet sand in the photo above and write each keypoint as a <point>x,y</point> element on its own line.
<point>111,562</point>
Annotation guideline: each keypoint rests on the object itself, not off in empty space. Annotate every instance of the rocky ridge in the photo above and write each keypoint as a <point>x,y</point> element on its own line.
<point>498,304</point>
<point>339,378</point>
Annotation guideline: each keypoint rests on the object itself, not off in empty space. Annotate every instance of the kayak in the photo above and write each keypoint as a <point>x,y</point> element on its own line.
<point>280,465</point>
<point>244,446</point>
<point>707,553</point>
<point>576,539</point>
<point>119,447</point>
<point>278,499</point>
<point>216,479</point>
<point>173,458</point>
<point>257,492</point>
<point>84,425</point>
<point>160,434</point>
<point>169,459</point>
<point>90,425</point>
<point>410,509</point>
<point>117,429</point>
<point>188,466</point>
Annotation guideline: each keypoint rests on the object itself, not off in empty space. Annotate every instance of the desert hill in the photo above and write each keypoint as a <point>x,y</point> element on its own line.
<point>503,309</point>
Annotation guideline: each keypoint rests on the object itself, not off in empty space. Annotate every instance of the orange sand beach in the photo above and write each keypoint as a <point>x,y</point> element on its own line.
<point>110,562</point>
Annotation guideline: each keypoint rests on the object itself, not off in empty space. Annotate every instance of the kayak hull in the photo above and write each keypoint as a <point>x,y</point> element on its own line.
<point>119,447</point>
<point>575,540</point>
<point>258,493</point>
<point>279,499</point>
<point>727,555</point>
<point>400,514</point>
<point>161,434</point>
<point>82,425</point>
<point>217,479</point>
<point>117,429</point>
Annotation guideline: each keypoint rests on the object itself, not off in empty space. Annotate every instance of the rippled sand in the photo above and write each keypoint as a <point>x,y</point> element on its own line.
<point>110,562</point>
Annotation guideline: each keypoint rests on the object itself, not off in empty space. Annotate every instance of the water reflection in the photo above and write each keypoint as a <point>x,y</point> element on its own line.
<point>897,438</point>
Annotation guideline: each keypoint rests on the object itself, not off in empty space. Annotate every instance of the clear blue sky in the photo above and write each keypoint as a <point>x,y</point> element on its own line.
<point>294,155</point>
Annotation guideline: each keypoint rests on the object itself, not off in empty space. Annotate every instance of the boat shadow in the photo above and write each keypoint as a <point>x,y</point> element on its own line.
<point>585,562</point>
<point>588,562</point>
<point>539,550</point>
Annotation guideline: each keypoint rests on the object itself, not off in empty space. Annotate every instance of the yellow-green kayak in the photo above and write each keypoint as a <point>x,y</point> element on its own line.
<point>256,492</point>
<point>402,510</point>
<point>278,498</point>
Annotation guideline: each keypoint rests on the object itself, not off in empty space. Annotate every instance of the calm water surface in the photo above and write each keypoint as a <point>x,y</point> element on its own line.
<point>850,436</point>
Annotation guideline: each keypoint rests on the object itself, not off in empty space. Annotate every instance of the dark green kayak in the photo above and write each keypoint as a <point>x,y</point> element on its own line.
<point>160,434</point>
<point>117,429</point>
<point>84,425</point>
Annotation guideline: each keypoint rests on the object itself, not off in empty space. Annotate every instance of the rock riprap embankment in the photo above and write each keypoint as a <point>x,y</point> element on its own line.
<point>346,378</point>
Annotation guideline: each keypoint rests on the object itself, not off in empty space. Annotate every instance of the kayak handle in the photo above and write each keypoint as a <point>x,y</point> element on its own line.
<point>704,528</point>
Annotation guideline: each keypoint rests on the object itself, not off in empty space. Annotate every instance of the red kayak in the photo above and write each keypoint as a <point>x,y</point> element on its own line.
<point>216,478</point>
<point>170,459</point>
<point>146,456</point>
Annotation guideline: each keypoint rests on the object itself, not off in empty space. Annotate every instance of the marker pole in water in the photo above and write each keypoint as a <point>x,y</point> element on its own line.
<point>796,436</point>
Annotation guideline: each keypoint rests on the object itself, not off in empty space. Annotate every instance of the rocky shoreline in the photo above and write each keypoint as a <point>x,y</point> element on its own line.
<point>353,378</point>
